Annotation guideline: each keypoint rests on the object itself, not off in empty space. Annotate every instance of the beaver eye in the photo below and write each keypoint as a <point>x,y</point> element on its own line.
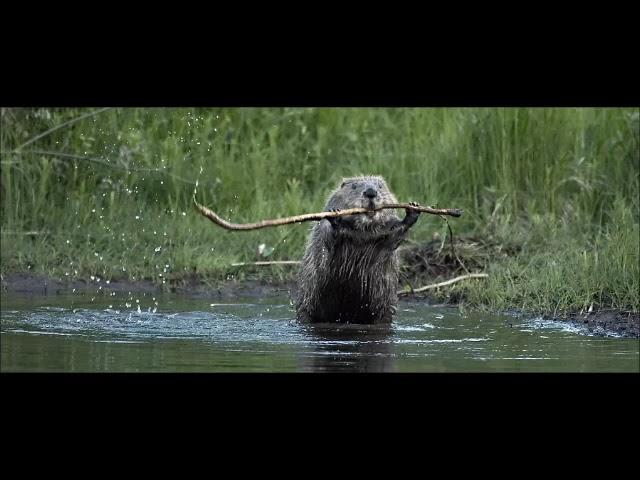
<point>354,186</point>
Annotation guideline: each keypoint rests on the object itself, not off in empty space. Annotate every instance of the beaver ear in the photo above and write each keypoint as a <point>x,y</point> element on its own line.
<point>343,184</point>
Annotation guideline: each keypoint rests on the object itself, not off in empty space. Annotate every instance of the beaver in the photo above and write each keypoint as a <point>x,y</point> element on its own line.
<point>349,270</point>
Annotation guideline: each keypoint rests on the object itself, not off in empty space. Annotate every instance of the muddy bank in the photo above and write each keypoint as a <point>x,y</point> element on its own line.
<point>602,321</point>
<point>33,284</point>
<point>599,322</point>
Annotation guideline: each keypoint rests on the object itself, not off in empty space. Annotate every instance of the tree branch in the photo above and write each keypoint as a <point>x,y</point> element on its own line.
<point>215,218</point>
<point>273,262</point>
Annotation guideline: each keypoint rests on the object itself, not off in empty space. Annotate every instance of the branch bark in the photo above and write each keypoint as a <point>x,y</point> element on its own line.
<point>215,218</point>
<point>274,262</point>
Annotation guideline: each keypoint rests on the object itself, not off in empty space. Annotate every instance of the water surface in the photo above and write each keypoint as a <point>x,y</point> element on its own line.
<point>168,333</point>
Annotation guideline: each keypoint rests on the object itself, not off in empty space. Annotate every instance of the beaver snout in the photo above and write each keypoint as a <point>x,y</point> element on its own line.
<point>370,193</point>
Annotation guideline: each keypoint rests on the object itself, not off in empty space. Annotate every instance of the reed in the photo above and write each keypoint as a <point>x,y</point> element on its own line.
<point>111,192</point>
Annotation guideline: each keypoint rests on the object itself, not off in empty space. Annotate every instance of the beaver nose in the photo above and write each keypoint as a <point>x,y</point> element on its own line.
<point>370,193</point>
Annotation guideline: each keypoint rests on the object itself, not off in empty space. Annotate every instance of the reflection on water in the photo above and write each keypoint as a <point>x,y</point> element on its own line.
<point>358,349</point>
<point>177,334</point>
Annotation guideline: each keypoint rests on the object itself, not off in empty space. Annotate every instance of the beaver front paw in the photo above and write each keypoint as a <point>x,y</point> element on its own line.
<point>411,215</point>
<point>335,221</point>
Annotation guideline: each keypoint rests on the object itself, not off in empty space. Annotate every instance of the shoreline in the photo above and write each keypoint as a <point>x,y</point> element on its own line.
<point>625,324</point>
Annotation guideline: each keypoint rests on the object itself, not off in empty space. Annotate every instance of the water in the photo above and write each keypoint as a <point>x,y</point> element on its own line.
<point>111,334</point>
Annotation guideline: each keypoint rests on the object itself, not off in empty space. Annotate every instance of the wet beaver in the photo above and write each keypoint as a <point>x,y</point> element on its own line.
<point>350,267</point>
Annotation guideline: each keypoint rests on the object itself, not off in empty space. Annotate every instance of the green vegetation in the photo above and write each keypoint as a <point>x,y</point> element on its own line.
<point>109,195</point>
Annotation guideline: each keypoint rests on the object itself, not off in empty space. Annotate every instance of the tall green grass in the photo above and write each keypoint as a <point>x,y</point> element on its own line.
<point>110,195</point>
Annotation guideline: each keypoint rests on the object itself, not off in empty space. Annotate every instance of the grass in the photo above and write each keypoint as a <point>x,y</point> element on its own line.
<point>110,193</point>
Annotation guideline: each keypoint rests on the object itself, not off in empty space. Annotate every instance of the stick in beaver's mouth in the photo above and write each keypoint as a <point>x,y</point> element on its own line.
<point>372,212</point>
<point>215,218</point>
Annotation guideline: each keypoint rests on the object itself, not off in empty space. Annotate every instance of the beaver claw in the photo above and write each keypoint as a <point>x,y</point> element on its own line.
<point>411,215</point>
<point>335,221</point>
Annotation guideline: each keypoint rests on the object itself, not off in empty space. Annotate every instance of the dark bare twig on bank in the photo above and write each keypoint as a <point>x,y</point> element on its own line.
<point>453,250</point>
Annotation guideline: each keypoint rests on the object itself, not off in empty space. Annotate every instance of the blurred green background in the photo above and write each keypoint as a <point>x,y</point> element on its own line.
<point>107,192</point>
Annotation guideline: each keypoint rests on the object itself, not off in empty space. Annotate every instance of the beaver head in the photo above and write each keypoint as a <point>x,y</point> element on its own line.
<point>363,192</point>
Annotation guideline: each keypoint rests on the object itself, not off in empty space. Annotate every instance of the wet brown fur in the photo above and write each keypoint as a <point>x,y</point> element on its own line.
<point>350,267</point>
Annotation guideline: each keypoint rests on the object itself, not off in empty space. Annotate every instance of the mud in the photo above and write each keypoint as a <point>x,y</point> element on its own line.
<point>33,284</point>
<point>602,321</point>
